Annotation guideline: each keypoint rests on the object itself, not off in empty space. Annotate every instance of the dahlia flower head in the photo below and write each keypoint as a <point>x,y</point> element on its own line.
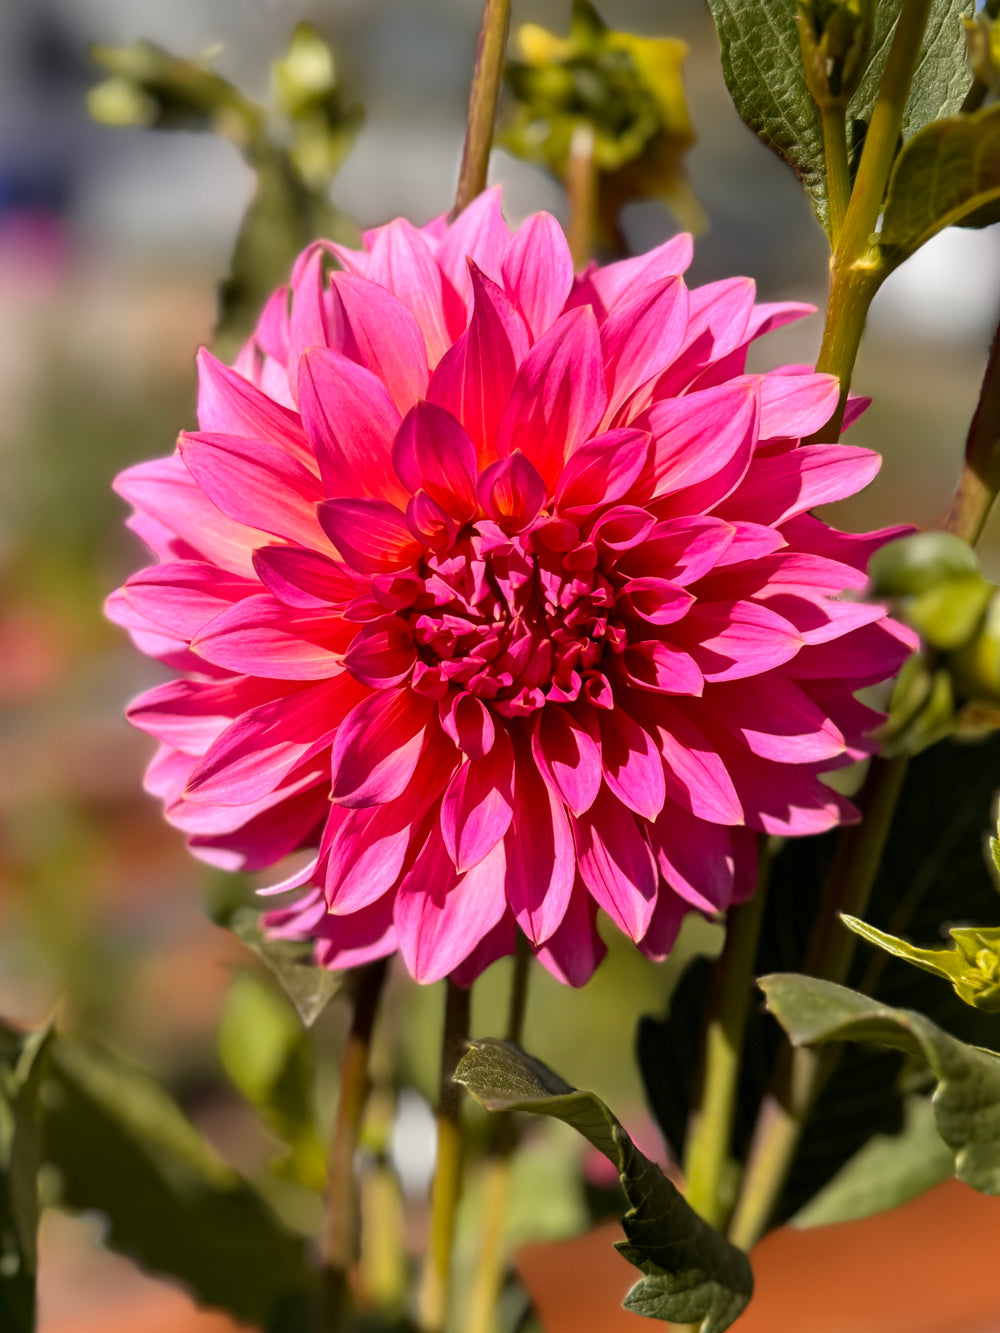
<point>496,588</point>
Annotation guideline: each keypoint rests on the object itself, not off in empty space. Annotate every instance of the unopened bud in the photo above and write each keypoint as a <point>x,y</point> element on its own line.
<point>835,36</point>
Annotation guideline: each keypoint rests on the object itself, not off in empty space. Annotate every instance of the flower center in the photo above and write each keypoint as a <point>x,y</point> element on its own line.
<point>517,619</point>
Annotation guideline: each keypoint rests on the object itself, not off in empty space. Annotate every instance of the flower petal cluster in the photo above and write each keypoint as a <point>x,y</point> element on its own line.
<point>497,587</point>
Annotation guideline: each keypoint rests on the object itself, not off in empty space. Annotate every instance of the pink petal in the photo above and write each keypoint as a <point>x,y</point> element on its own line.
<point>617,282</point>
<point>441,916</point>
<point>254,755</point>
<point>538,271</point>
<point>558,398</point>
<point>664,925</point>
<point>653,665</point>
<point>382,653</point>
<point>351,421</point>
<point>260,636</point>
<point>478,233</point>
<point>541,864</point>
<point>776,720</point>
<point>352,941</point>
<point>640,337</point>
<point>190,714</point>
<point>695,773</point>
<point>616,864</point>
<point>402,262</point>
<point>718,314</point>
<point>574,950</point>
<point>474,377</point>
<point>632,765</point>
<point>601,471</point>
<point>479,804</point>
<point>702,446</point>
<point>304,579</point>
<point>371,535</point>
<point>378,745</point>
<point>469,723</point>
<point>511,492</point>
<point>182,596</point>
<point>381,335</point>
<point>310,322</point>
<point>778,488</point>
<point>433,453</point>
<point>228,404</point>
<point>732,640</point>
<point>655,600</point>
<point>863,657</point>
<point>568,755</point>
<point>793,406</point>
<point>256,483</point>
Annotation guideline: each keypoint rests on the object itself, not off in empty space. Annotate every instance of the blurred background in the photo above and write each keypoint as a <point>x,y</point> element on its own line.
<point>111,246</point>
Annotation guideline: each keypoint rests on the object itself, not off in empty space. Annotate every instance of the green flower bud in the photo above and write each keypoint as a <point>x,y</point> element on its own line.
<point>918,562</point>
<point>835,36</point>
<point>972,966</point>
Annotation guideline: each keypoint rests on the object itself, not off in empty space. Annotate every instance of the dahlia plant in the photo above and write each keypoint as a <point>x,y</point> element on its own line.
<point>496,613</point>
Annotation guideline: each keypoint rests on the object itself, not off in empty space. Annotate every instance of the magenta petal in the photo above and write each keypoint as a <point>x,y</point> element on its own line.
<point>352,941</point>
<point>478,233</point>
<point>538,271</point>
<point>702,446</point>
<point>371,535</point>
<point>433,453</point>
<point>574,950</point>
<point>777,720</point>
<point>352,422</point>
<point>256,483</point>
<point>260,636</point>
<point>617,282</point>
<point>639,337</point>
<point>500,942</point>
<point>696,776</point>
<point>718,315</point>
<point>402,262</point>
<point>382,653</point>
<point>478,804</point>
<point>616,864</point>
<point>653,665</point>
<point>254,755</point>
<point>601,471</point>
<point>511,492</point>
<point>541,864</point>
<point>736,640</point>
<point>568,756</point>
<point>776,489</point>
<point>632,765</point>
<point>381,335</point>
<point>657,600</point>
<point>793,406</point>
<point>190,714</point>
<point>441,916</point>
<point>377,747</point>
<point>559,396</point>
<point>469,723</point>
<point>664,925</point>
<point>184,595</point>
<point>473,378</point>
<point>305,579</point>
<point>228,404</point>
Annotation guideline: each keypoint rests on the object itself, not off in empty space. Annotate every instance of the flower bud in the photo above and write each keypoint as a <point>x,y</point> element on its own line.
<point>835,36</point>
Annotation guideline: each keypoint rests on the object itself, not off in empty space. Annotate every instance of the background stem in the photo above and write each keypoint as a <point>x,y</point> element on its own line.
<point>980,480</point>
<point>711,1131</point>
<point>432,1315</point>
<point>485,93</point>
<point>581,188</point>
<point>838,172</point>
<point>340,1238</point>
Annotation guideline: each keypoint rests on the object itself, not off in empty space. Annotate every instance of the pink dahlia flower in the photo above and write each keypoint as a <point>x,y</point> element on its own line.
<point>498,588</point>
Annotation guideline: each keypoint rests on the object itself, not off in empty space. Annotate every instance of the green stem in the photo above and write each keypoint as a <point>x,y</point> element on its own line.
<point>581,188</point>
<point>851,291</point>
<point>711,1132</point>
<point>980,479</point>
<point>882,138</point>
<point>838,171</point>
<point>485,93</point>
<point>488,1279</point>
<point>432,1313</point>
<point>799,1074</point>
<point>340,1239</point>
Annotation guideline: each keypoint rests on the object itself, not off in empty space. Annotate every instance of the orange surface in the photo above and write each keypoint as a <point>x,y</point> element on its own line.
<point>932,1266</point>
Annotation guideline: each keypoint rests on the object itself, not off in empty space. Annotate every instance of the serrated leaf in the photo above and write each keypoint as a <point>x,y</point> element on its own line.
<point>309,988</point>
<point>967,1101</point>
<point>947,175</point>
<point>23,1059</point>
<point>691,1273</point>
<point>123,1148</point>
<point>762,64</point>
<point>890,1170</point>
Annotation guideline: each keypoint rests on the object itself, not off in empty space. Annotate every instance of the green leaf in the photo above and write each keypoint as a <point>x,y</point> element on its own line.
<point>947,175</point>
<point>691,1273</point>
<point>269,1057</point>
<point>888,1171</point>
<point>972,967</point>
<point>23,1059</point>
<point>762,64</point>
<point>124,1148</point>
<point>309,988</point>
<point>967,1101</point>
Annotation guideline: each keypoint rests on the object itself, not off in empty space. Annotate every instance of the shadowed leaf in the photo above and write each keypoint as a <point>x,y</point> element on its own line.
<point>691,1274</point>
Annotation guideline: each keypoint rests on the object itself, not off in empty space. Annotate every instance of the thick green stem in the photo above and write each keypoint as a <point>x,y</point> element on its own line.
<point>838,171</point>
<point>489,1275</point>
<point>432,1313</point>
<point>485,93</point>
<point>711,1131</point>
<point>851,291</point>
<point>980,479</point>
<point>339,1242</point>
<point>799,1074</point>
<point>884,128</point>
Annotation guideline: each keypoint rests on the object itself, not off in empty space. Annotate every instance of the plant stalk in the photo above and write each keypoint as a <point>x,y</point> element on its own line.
<point>581,188</point>
<point>483,97</point>
<point>838,171</point>
<point>488,1279</point>
<point>711,1132</point>
<point>340,1238</point>
<point>432,1312</point>
<point>980,480</point>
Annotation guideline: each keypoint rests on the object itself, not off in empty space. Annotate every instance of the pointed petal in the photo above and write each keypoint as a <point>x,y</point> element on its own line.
<point>307,580</point>
<point>479,804</point>
<point>639,338</point>
<point>401,261</point>
<point>181,596</point>
<point>695,773</point>
<point>601,471</point>
<point>371,535</point>
<point>616,864</point>
<point>260,636</point>
<point>730,641</point>
<point>616,282</point>
<point>780,487</point>
<point>702,446</point>
<point>538,271</point>
<point>574,950</point>
<point>511,492</point>
<point>632,764</point>
<point>433,453</point>
<point>541,864</point>
<point>228,404</point>
<point>793,406</point>
<point>478,233</point>
<point>377,747</point>
<point>568,756</point>
<point>381,335</point>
